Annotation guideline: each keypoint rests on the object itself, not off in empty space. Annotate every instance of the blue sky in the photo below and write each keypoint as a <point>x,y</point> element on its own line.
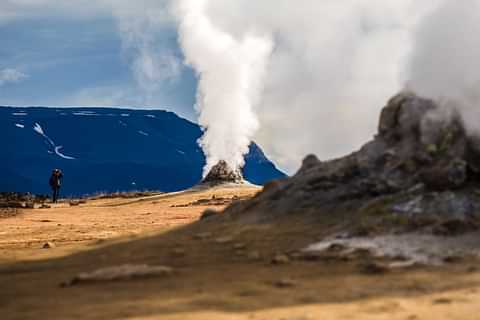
<point>53,60</point>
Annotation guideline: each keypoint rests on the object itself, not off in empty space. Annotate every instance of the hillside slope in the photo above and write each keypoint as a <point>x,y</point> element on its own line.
<point>107,149</point>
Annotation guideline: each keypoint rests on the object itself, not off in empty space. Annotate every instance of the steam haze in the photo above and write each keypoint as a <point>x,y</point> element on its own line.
<point>151,62</point>
<point>333,67</point>
<point>445,61</point>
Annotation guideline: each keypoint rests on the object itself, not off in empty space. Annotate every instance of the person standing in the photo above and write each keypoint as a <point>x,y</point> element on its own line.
<point>55,183</point>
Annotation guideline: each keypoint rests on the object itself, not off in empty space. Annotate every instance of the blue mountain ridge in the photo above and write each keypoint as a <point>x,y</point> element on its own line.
<point>107,150</point>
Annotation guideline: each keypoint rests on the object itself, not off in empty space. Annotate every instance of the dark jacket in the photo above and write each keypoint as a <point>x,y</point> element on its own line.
<point>55,181</point>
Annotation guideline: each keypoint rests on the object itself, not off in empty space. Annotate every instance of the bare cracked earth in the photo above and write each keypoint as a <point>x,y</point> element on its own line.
<point>221,270</point>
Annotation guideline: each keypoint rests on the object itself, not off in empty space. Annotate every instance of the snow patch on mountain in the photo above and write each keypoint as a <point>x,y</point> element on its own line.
<point>61,155</point>
<point>18,125</point>
<point>143,133</point>
<point>38,128</point>
<point>85,113</point>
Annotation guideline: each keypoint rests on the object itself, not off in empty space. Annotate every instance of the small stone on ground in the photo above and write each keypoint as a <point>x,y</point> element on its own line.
<point>119,273</point>
<point>48,245</point>
<point>280,259</point>
<point>285,283</point>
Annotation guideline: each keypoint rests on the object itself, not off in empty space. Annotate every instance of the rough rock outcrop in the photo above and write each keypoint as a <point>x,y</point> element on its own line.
<point>422,163</point>
<point>222,173</point>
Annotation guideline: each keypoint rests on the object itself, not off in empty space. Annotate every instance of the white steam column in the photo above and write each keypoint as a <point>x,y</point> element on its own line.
<point>231,73</point>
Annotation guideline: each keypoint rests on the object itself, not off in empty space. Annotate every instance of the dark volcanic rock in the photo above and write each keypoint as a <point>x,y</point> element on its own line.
<point>19,200</point>
<point>422,163</point>
<point>222,173</point>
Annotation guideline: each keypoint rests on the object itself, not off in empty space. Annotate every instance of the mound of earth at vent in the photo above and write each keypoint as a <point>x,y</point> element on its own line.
<point>222,173</point>
<point>421,170</point>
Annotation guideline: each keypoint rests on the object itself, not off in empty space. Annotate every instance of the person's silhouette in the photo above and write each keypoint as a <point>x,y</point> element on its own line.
<point>55,183</point>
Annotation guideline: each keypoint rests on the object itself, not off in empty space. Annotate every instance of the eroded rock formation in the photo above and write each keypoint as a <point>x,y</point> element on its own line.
<point>421,165</point>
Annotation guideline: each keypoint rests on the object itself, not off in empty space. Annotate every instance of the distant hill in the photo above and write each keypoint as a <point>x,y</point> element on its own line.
<point>107,149</point>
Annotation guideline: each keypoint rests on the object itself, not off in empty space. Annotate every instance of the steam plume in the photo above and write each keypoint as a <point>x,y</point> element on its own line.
<point>334,65</point>
<point>445,59</point>
<point>231,70</point>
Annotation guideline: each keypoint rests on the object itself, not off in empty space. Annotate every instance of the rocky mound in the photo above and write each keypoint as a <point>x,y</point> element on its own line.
<point>222,173</point>
<point>422,168</point>
<point>19,200</point>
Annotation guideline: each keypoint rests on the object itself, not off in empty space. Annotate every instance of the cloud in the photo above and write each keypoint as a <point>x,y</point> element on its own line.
<point>152,57</point>
<point>103,96</point>
<point>10,75</point>
<point>74,9</point>
<point>145,28</point>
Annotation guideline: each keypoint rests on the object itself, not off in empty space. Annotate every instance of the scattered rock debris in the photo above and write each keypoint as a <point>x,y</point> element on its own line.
<point>403,251</point>
<point>20,200</point>
<point>213,201</point>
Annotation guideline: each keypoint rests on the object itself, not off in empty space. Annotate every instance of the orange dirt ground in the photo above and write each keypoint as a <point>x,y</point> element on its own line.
<point>222,270</point>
